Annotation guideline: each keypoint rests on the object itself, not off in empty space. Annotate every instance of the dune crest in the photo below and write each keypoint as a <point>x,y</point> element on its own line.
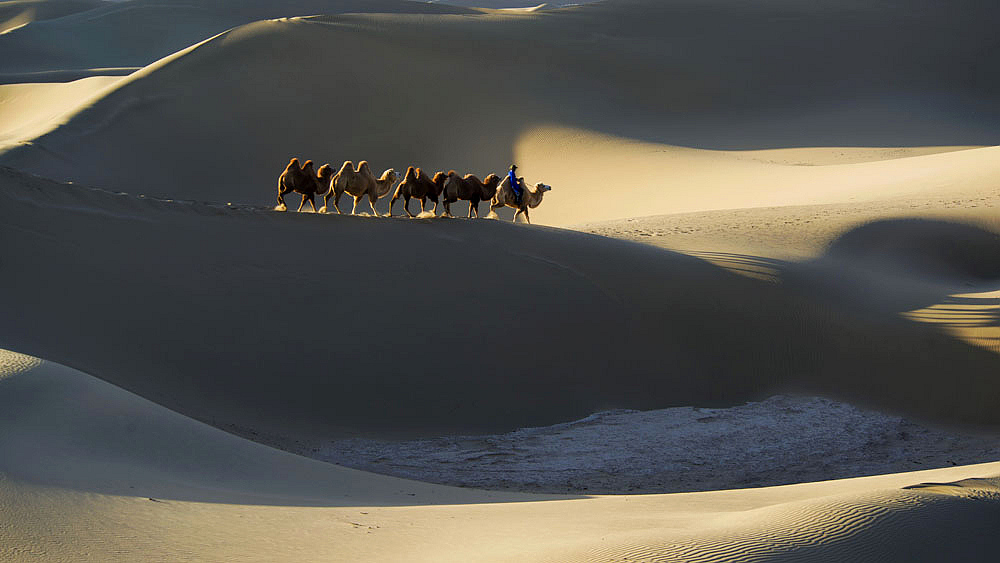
<point>652,104</point>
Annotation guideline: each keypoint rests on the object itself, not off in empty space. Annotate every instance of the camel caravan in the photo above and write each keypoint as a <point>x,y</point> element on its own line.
<point>449,187</point>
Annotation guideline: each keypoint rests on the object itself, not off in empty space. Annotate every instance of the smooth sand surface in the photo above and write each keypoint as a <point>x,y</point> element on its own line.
<point>102,474</point>
<point>600,115</point>
<point>822,218</point>
<point>138,32</point>
<point>298,323</point>
<point>17,13</point>
<point>27,108</point>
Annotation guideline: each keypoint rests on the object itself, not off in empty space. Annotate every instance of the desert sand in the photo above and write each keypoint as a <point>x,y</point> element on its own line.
<point>103,474</point>
<point>770,254</point>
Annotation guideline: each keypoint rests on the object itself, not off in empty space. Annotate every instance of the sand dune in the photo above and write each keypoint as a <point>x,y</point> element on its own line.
<point>311,321</point>
<point>822,218</point>
<point>16,13</point>
<point>138,32</point>
<point>76,432</point>
<point>103,474</point>
<point>26,109</point>
<point>480,106</point>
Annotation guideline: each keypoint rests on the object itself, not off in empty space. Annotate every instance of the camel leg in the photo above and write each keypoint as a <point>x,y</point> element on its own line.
<point>336,202</point>
<point>407,208</point>
<point>372,199</point>
<point>447,208</point>
<point>312,202</point>
<point>395,196</point>
<point>281,199</point>
<point>472,203</point>
<point>516,213</point>
<point>526,217</point>
<point>423,204</point>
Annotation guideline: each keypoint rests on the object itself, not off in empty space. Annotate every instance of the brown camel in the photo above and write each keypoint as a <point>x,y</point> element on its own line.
<point>303,180</point>
<point>531,197</point>
<point>359,183</point>
<point>417,184</point>
<point>468,188</point>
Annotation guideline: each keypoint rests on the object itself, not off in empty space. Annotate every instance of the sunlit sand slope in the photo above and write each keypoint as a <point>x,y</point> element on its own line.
<point>594,100</point>
<point>323,324</point>
<point>26,109</point>
<point>99,474</point>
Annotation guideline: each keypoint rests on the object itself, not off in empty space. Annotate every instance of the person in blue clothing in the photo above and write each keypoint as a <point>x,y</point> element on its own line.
<point>514,184</point>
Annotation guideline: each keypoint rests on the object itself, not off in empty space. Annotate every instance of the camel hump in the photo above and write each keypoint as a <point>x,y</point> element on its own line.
<point>308,163</point>
<point>452,173</point>
<point>293,161</point>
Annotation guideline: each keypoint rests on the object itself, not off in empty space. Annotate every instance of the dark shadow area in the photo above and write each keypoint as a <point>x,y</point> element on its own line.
<point>105,35</point>
<point>943,250</point>
<point>216,312</point>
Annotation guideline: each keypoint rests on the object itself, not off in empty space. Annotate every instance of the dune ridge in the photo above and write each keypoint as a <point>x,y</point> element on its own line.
<point>18,13</point>
<point>137,32</point>
<point>919,92</point>
<point>109,475</point>
<point>623,312</point>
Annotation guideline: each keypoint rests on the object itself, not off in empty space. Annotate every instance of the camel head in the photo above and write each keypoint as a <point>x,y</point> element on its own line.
<point>386,182</point>
<point>323,176</point>
<point>540,187</point>
<point>490,184</point>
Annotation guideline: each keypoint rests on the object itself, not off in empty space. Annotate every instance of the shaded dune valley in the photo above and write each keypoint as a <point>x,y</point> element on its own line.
<point>748,308</point>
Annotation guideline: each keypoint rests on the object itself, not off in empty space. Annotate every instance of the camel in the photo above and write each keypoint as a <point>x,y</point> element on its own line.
<point>302,179</point>
<point>468,188</point>
<point>417,185</point>
<point>531,197</point>
<point>358,183</point>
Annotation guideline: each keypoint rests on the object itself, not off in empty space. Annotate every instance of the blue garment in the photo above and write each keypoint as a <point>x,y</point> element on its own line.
<point>514,185</point>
